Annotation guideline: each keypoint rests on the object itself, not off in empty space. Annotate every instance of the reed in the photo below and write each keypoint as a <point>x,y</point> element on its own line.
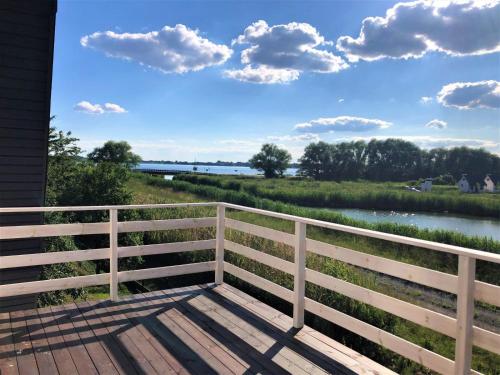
<point>355,194</point>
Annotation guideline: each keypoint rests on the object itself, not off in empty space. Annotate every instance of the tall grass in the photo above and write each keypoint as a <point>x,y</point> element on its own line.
<point>431,259</point>
<point>362,194</point>
<point>159,191</point>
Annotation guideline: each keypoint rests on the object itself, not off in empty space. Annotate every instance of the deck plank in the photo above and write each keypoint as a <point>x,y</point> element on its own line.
<point>141,314</point>
<point>198,333</point>
<point>337,351</point>
<point>234,346</point>
<point>41,349</point>
<point>198,329</point>
<point>270,346</point>
<point>149,352</point>
<point>99,357</point>
<point>60,352</point>
<point>25,357</point>
<point>77,350</point>
<point>8,362</point>
<point>115,330</point>
<point>121,361</point>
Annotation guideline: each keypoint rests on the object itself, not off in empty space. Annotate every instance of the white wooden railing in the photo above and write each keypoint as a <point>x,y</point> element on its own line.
<point>464,285</point>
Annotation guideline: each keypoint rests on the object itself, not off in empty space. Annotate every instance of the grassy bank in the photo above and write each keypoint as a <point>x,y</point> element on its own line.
<point>356,194</point>
<point>435,260</point>
<point>154,190</point>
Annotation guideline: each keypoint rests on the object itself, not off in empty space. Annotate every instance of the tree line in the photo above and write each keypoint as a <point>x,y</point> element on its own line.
<point>378,160</point>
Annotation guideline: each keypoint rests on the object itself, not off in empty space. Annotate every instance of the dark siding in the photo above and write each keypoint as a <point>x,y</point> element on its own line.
<point>26,52</point>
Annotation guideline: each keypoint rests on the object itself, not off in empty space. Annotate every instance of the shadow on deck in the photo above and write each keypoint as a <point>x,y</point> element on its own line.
<point>197,329</point>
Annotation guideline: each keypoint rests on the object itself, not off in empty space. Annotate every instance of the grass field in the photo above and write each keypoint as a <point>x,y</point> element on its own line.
<point>356,194</point>
<point>154,190</point>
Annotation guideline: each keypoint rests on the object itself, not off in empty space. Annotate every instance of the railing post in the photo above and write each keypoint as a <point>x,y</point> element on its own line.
<point>219,244</point>
<point>113,254</point>
<point>299,283</point>
<point>465,314</point>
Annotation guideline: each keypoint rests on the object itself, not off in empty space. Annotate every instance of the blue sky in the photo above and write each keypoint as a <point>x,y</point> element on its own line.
<point>235,74</point>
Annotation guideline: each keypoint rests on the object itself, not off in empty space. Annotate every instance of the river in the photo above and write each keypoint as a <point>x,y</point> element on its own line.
<point>471,226</point>
<point>213,169</point>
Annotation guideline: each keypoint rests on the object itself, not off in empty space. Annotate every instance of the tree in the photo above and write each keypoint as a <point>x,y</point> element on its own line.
<point>74,181</point>
<point>63,162</point>
<point>317,161</point>
<point>272,160</point>
<point>393,160</point>
<point>115,152</point>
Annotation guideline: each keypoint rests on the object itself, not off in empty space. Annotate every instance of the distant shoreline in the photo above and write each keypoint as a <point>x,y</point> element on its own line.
<point>208,163</point>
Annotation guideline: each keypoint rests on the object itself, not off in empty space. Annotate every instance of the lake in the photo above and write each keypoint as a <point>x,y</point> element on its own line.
<point>213,169</point>
<point>467,225</point>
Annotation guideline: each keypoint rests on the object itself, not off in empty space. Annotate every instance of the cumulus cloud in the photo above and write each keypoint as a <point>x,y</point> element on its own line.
<point>426,99</point>
<point>114,108</point>
<point>176,49</point>
<point>437,124</point>
<point>98,109</point>
<point>342,123</point>
<point>263,75</point>
<point>291,47</point>
<point>410,30</point>
<point>307,137</point>
<point>468,95</point>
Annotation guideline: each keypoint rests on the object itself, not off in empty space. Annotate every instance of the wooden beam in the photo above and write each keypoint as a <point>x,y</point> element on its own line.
<point>259,282</point>
<point>158,272</point>
<point>153,225</point>
<point>165,248</point>
<point>113,254</point>
<point>52,230</point>
<point>219,247</point>
<point>257,230</point>
<point>465,314</point>
<point>261,257</point>
<point>38,259</point>
<point>299,275</point>
<point>31,287</point>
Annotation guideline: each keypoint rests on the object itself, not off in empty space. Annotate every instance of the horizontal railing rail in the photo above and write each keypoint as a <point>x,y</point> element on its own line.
<point>460,327</point>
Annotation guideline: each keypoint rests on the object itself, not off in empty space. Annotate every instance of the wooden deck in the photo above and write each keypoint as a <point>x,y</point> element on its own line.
<point>199,330</point>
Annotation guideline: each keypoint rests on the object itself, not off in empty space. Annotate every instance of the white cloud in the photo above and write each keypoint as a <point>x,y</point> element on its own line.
<point>437,124</point>
<point>426,99</point>
<point>114,108</point>
<point>263,75</point>
<point>291,48</point>
<point>342,123</point>
<point>341,100</point>
<point>307,137</point>
<point>98,109</point>
<point>176,49</point>
<point>468,95</point>
<point>410,30</point>
<point>88,107</point>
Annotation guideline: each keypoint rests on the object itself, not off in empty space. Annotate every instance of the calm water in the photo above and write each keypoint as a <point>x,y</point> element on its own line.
<point>214,169</point>
<point>466,225</point>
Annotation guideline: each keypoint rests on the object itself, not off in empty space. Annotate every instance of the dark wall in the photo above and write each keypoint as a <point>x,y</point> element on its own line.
<point>26,53</point>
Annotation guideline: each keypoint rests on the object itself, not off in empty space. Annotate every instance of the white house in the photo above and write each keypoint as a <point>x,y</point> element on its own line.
<point>463,184</point>
<point>468,184</point>
<point>426,185</point>
<point>490,183</point>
